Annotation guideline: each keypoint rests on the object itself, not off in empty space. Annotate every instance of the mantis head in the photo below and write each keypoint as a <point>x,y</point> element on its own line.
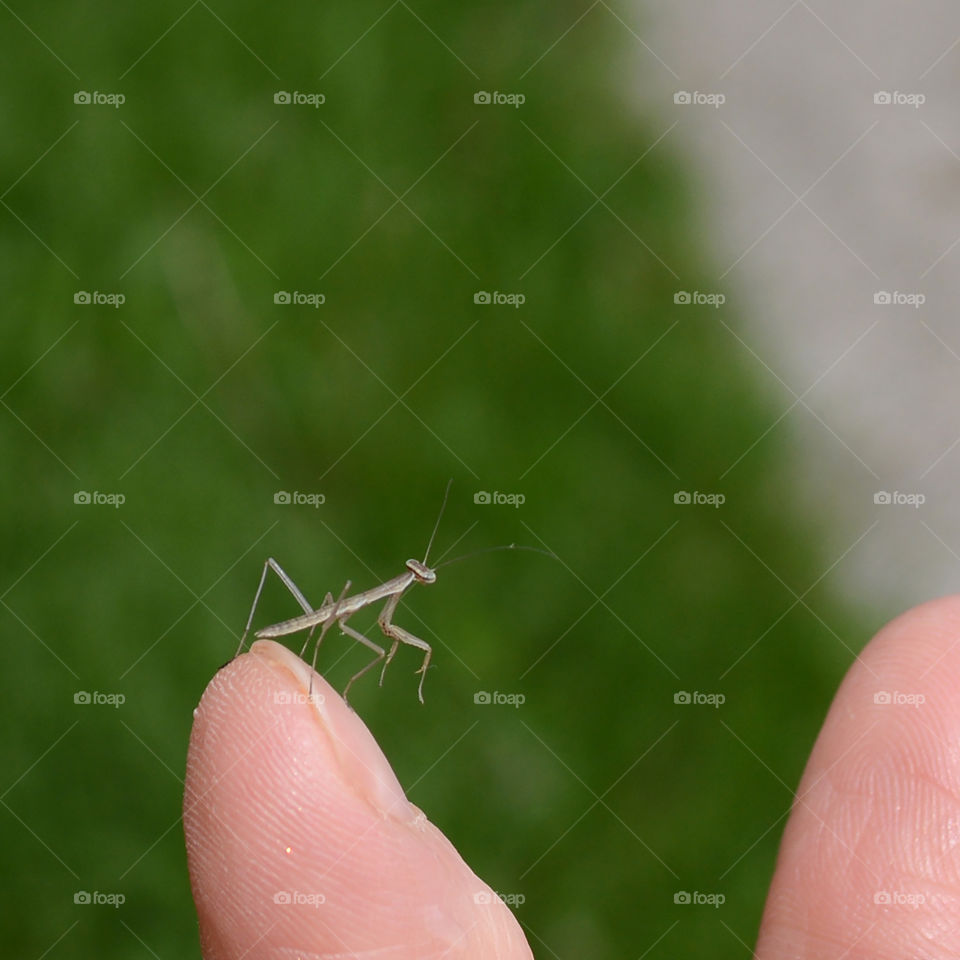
<point>422,572</point>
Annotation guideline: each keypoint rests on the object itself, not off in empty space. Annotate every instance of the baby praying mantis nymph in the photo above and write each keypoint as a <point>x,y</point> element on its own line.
<point>340,610</point>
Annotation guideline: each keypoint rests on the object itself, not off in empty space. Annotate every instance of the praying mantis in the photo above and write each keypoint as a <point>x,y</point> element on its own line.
<point>340,610</point>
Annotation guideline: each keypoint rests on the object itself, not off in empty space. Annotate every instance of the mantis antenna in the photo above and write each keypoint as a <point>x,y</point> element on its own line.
<point>436,526</point>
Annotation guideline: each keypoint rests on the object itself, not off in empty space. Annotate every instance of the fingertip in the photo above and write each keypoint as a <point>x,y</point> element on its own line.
<point>868,863</point>
<point>300,837</point>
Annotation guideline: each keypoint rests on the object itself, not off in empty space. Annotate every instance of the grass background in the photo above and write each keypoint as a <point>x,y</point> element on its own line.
<point>200,398</point>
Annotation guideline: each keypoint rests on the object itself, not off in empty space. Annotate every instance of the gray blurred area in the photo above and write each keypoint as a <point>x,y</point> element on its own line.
<point>819,201</point>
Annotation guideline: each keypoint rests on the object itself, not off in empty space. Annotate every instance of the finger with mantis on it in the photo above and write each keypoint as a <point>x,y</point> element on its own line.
<point>301,842</point>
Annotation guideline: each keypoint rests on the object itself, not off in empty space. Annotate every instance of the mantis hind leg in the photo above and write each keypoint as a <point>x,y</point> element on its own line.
<point>272,564</point>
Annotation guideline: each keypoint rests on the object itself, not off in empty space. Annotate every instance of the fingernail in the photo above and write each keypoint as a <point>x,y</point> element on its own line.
<point>355,751</point>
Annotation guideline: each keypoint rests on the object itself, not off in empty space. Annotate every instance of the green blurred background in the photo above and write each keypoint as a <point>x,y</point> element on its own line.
<point>199,399</point>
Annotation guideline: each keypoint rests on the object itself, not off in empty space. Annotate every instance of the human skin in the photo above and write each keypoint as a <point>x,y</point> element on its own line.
<point>289,797</point>
<point>869,864</point>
